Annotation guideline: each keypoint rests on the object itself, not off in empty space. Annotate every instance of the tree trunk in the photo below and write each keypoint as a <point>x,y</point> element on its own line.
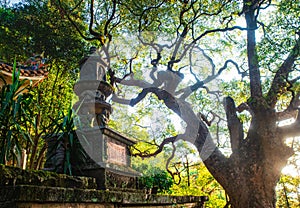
<point>249,182</point>
<point>254,197</point>
<point>253,182</point>
<point>250,175</point>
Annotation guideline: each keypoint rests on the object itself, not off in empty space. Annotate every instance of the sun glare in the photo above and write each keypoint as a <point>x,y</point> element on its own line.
<point>290,170</point>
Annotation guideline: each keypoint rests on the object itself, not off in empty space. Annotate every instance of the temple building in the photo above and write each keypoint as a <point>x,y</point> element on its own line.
<point>33,72</point>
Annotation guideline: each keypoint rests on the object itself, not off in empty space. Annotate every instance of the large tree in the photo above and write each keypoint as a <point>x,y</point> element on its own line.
<point>206,30</point>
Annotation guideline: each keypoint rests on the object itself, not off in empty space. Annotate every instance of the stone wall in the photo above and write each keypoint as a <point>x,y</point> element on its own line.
<point>41,189</point>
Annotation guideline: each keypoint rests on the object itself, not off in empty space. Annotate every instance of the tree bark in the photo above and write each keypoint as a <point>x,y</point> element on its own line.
<point>255,82</point>
<point>249,176</point>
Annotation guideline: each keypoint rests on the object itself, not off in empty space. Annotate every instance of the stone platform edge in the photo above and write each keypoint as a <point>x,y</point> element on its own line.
<point>42,189</point>
<point>15,196</point>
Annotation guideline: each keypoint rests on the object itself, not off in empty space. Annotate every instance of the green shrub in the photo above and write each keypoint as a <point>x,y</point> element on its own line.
<point>156,178</point>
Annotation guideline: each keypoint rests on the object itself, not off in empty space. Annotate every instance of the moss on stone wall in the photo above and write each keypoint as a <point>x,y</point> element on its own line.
<point>11,176</point>
<point>23,188</point>
<point>42,194</point>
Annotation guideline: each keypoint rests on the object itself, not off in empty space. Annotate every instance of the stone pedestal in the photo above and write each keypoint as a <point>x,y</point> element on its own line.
<point>108,160</point>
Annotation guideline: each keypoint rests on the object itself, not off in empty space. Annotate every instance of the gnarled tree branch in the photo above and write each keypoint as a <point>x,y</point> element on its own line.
<point>250,7</point>
<point>65,12</point>
<point>291,130</point>
<point>291,110</point>
<point>234,124</point>
<point>281,76</point>
<point>159,149</point>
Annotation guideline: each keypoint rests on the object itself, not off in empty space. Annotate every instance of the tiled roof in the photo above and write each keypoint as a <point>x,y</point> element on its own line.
<point>41,72</point>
